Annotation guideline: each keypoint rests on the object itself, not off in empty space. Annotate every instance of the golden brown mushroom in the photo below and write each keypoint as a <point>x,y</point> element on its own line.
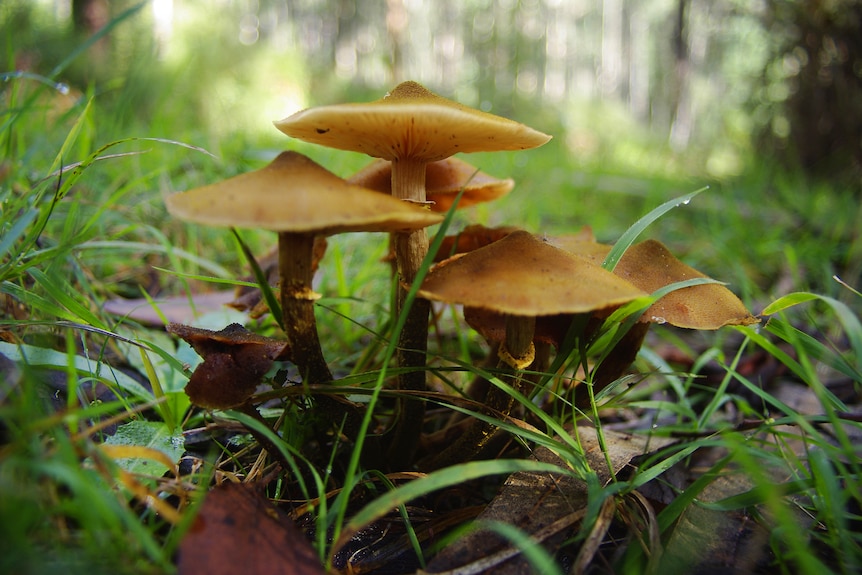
<point>410,127</point>
<point>300,200</point>
<point>520,277</point>
<point>651,266</point>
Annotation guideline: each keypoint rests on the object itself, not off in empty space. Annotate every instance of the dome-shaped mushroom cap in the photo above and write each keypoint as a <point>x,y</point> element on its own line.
<point>409,122</point>
<point>522,275</point>
<point>650,266</point>
<point>444,179</point>
<point>294,194</point>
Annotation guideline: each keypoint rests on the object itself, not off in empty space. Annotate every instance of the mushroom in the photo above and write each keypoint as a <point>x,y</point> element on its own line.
<point>234,363</point>
<point>444,180</point>
<point>522,278</point>
<point>650,266</point>
<point>410,127</point>
<point>300,200</point>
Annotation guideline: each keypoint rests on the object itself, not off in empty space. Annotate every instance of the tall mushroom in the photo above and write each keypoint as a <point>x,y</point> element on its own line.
<point>521,277</point>
<point>410,127</point>
<point>300,200</point>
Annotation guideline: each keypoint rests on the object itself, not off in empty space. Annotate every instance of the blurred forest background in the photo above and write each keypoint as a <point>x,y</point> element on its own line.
<point>689,86</point>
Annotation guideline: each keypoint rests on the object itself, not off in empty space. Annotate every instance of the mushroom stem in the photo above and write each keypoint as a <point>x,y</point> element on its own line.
<point>515,354</point>
<point>518,350</point>
<point>408,183</point>
<point>295,257</point>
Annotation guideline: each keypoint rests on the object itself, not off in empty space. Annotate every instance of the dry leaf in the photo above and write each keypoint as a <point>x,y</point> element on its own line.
<point>237,530</point>
<point>176,309</point>
<point>543,504</point>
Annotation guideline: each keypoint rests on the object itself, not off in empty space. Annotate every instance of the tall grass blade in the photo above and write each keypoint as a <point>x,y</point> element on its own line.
<point>631,234</point>
<point>849,320</point>
<point>261,279</point>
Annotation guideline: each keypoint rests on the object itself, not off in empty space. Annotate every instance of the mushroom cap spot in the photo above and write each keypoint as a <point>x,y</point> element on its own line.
<point>522,275</point>
<point>409,122</point>
<point>294,194</point>
<point>444,179</point>
<point>650,266</point>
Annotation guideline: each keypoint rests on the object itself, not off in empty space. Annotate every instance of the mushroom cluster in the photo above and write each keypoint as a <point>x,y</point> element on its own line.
<point>519,291</point>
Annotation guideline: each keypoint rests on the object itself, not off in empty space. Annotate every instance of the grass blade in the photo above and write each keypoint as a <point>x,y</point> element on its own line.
<point>631,234</point>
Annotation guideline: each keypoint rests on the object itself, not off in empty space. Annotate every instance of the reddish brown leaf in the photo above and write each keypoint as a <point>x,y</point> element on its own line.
<point>237,530</point>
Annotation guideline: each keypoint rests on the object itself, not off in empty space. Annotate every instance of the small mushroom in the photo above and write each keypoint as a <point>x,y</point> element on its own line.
<point>444,180</point>
<point>410,127</point>
<point>520,277</point>
<point>650,266</point>
<point>234,363</point>
<point>300,200</point>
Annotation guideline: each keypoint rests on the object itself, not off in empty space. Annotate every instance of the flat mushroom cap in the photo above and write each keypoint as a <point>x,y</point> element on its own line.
<point>522,275</point>
<point>650,266</point>
<point>444,179</point>
<point>294,194</point>
<point>409,122</point>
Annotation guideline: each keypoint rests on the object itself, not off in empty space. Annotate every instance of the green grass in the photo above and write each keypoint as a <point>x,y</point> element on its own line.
<point>82,222</point>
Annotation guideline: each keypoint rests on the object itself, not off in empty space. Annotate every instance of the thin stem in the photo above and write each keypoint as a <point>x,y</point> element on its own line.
<point>515,354</point>
<point>408,183</point>
<point>296,268</point>
<point>295,260</point>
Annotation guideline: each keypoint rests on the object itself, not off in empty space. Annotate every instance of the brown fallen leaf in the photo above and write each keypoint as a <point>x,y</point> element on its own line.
<point>176,309</point>
<point>237,530</point>
<point>717,541</point>
<point>235,361</point>
<point>544,506</point>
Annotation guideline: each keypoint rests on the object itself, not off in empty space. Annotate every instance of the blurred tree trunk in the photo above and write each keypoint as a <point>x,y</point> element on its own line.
<point>681,128</point>
<point>397,20</point>
<point>88,17</point>
<point>823,59</point>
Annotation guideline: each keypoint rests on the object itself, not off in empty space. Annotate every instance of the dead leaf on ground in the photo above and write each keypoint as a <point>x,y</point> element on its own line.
<point>716,541</point>
<point>546,506</point>
<point>176,309</point>
<point>238,530</point>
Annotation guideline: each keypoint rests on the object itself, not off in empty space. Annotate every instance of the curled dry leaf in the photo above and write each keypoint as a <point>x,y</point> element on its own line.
<point>235,361</point>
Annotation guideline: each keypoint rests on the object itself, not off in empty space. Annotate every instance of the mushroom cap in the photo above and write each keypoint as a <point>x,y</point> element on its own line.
<point>523,275</point>
<point>409,122</point>
<point>295,194</point>
<point>444,179</point>
<point>650,266</point>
